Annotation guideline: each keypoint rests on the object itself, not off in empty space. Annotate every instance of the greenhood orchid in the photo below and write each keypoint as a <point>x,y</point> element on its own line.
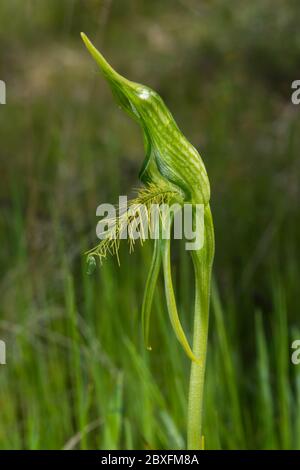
<point>172,171</point>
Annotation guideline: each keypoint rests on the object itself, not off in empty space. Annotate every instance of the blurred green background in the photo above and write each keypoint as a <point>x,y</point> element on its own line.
<point>77,372</point>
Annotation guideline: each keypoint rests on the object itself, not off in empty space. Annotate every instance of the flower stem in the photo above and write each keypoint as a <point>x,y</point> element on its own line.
<point>202,261</point>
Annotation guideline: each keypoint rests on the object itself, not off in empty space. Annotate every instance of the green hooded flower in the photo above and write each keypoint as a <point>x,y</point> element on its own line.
<point>169,155</point>
<point>172,166</point>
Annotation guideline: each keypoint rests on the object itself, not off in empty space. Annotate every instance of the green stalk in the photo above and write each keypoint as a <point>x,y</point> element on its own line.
<point>202,261</point>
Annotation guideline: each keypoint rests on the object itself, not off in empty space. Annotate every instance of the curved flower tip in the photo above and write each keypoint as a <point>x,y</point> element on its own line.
<point>106,68</point>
